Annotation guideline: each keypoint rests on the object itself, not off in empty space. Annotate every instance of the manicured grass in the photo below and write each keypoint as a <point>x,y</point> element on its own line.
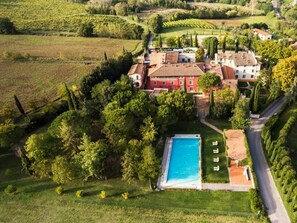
<point>208,136</point>
<point>220,123</point>
<point>178,31</point>
<point>36,199</point>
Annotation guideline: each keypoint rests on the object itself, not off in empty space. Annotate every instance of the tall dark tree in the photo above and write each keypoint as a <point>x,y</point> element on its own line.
<point>191,40</point>
<point>69,99</point>
<point>178,42</point>
<point>255,107</point>
<point>250,42</point>
<point>6,26</point>
<point>155,23</point>
<point>211,102</point>
<point>224,45</point>
<point>73,100</point>
<point>160,41</point>
<point>105,56</point>
<point>19,105</point>
<point>196,44</point>
<point>236,46</point>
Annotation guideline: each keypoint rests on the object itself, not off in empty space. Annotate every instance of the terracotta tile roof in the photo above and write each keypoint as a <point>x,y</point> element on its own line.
<point>174,70</point>
<point>136,69</point>
<point>157,58</point>
<point>228,73</point>
<point>262,32</point>
<point>215,69</point>
<point>240,58</point>
<point>235,144</point>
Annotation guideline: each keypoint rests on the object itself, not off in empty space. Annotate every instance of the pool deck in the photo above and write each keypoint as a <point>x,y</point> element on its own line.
<point>162,181</point>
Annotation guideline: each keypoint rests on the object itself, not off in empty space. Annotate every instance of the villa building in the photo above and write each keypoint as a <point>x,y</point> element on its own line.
<point>137,74</point>
<point>245,65</point>
<point>263,35</point>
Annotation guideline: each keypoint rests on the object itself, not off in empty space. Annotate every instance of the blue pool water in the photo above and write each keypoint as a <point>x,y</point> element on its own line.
<point>184,161</point>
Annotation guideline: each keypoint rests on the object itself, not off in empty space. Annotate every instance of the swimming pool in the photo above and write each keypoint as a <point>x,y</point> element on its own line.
<point>183,162</point>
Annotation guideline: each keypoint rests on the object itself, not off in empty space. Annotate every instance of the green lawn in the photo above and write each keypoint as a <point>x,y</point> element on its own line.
<point>36,201</point>
<point>208,136</point>
<point>220,123</point>
<point>178,31</point>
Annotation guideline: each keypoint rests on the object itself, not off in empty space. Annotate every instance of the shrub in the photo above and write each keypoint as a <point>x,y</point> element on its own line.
<point>8,172</point>
<point>125,195</point>
<point>102,194</point>
<point>10,189</point>
<point>79,193</point>
<point>256,202</point>
<point>6,26</point>
<point>59,190</point>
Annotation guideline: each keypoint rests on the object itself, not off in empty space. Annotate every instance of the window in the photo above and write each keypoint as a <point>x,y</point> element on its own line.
<point>243,76</point>
<point>181,82</point>
<point>155,82</point>
<point>237,71</point>
<point>236,76</point>
<point>189,60</point>
<point>172,82</point>
<point>243,71</point>
<point>252,76</point>
<point>137,77</point>
<point>183,60</point>
<point>164,83</point>
<point>191,89</point>
<point>191,82</point>
<point>253,70</point>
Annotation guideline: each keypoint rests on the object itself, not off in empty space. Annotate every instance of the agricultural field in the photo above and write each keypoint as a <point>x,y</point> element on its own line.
<point>190,23</point>
<point>221,5</point>
<point>53,60</point>
<point>60,15</point>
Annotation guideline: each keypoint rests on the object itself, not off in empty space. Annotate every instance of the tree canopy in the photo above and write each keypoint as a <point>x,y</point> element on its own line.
<point>208,81</point>
<point>285,71</point>
<point>155,22</point>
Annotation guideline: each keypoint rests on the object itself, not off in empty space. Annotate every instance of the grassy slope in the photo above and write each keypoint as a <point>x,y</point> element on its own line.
<point>36,201</point>
<point>59,59</point>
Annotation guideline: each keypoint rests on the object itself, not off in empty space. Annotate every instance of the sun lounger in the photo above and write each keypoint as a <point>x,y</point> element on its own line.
<point>215,143</point>
<point>216,160</point>
<point>216,150</point>
<point>216,168</point>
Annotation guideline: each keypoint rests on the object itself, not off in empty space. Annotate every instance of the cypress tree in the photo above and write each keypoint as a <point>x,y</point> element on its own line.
<point>215,45</point>
<point>211,102</point>
<point>224,45</point>
<point>208,48</point>
<point>256,98</point>
<point>105,56</point>
<point>252,98</point>
<point>250,43</point>
<point>73,100</point>
<point>236,97</point>
<point>178,42</point>
<point>191,40</point>
<point>160,41</point>
<point>236,46</point>
<point>69,100</point>
<point>196,41</point>
<point>211,49</point>
<point>19,105</point>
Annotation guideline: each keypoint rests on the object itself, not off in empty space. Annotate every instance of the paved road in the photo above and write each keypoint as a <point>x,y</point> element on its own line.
<point>270,195</point>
